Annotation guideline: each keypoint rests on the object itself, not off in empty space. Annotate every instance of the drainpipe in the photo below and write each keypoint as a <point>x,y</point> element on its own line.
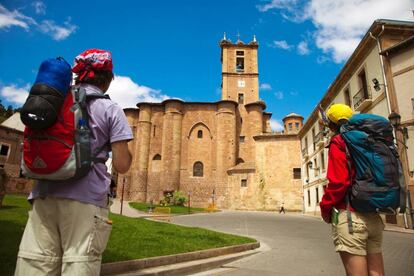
<point>382,67</point>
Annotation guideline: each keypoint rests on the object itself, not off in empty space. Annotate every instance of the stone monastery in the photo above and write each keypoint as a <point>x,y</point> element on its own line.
<point>222,153</point>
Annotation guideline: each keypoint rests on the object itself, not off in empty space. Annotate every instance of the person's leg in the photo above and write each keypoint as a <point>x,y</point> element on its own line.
<point>374,245</point>
<point>355,265</point>
<point>375,264</point>
<point>85,233</point>
<point>40,252</point>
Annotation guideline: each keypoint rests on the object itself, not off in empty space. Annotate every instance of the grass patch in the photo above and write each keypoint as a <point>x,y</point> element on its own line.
<point>13,217</point>
<point>179,210</point>
<point>131,238</point>
<point>150,238</point>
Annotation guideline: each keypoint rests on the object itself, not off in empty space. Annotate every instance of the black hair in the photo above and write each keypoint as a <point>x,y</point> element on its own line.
<point>336,127</point>
<point>101,78</point>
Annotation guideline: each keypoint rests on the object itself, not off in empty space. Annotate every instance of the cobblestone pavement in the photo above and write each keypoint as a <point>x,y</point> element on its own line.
<point>294,245</point>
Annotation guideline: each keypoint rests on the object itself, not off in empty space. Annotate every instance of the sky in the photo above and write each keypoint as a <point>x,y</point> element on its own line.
<point>170,48</point>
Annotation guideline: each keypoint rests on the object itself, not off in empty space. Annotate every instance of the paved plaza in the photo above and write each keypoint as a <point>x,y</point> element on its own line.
<point>294,244</point>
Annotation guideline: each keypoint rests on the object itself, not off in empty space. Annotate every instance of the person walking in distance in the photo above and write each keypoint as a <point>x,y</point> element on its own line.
<point>282,208</point>
<point>68,227</point>
<point>359,248</point>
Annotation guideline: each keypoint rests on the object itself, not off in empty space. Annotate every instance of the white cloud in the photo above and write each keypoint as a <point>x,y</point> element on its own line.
<point>123,90</point>
<point>303,48</point>
<point>340,24</point>
<point>282,44</point>
<point>279,95</point>
<point>276,125</point>
<point>39,7</point>
<point>14,94</point>
<point>265,86</point>
<point>322,59</point>
<point>277,4</point>
<point>57,32</point>
<point>14,18</point>
<point>49,27</point>
<point>127,93</point>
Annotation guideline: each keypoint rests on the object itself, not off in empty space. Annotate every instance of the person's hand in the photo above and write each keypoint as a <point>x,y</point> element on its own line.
<point>326,217</point>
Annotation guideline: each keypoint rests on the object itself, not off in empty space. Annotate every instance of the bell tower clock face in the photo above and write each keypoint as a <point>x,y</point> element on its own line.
<point>241,83</point>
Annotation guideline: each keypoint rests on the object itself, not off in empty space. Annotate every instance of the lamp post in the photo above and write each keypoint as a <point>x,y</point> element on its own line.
<point>122,195</point>
<point>189,202</point>
<point>400,135</point>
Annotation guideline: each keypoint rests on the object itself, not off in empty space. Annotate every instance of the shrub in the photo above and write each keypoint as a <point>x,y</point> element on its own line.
<point>179,198</point>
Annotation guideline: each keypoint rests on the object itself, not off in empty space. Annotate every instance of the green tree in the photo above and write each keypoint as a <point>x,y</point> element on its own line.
<point>2,109</point>
<point>9,111</point>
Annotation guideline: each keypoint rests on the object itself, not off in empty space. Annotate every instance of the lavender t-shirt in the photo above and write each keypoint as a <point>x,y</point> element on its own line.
<point>108,124</point>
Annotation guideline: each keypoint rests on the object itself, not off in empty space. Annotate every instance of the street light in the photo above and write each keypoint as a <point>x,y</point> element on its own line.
<point>310,165</point>
<point>395,120</point>
<point>376,83</point>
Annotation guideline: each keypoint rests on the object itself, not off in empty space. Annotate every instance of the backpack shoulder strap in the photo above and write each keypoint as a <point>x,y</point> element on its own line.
<point>101,148</point>
<point>97,96</point>
<point>347,195</point>
<point>81,99</point>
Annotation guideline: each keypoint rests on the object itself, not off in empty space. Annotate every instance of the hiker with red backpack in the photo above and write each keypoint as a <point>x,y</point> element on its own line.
<point>69,133</point>
<point>364,179</point>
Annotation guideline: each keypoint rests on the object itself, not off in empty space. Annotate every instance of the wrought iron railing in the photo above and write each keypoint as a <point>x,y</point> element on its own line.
<point>318,137</point>
<point>304,152</point>
<point>362,95</point>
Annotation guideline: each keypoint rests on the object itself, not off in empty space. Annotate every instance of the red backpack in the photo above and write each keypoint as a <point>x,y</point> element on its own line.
<point>63,150</point>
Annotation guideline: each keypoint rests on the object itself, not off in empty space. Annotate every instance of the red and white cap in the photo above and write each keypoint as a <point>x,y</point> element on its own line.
<point>92,60</point>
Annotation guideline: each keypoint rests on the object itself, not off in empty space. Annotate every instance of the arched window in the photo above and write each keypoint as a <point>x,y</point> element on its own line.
<point>200,134</point>
<point>198,169</point>
<point>157,157</point>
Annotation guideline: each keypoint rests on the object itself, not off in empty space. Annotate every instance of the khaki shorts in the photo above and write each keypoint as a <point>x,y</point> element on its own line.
<point>367,235</point>
<point>63,237</point>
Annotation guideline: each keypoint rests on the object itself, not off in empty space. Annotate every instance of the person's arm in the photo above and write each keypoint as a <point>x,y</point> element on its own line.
<point>338,176</point>
<point>121,156</point>
<point>119,136</point>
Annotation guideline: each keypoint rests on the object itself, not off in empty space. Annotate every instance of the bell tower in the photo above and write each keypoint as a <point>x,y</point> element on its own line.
<point>240,83</point>
<point>240,76</point>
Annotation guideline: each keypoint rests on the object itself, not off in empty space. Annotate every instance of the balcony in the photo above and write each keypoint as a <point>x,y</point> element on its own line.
<point>305,154</point>
<point>362,99</point>
<point>319,139</point>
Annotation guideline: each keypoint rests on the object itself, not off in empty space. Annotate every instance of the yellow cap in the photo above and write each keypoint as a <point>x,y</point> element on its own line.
<point>338,112</point>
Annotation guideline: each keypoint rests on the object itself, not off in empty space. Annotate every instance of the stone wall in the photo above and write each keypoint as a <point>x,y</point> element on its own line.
<point>276,156</point>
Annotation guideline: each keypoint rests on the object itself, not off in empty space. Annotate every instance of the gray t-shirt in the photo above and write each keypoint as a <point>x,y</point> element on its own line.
<point>108,124</point>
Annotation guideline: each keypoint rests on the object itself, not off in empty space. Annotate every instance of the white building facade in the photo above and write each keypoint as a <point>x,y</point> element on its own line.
<point>365,83</point>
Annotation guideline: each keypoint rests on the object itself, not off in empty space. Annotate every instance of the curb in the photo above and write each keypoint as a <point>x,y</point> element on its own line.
<point>397,229</point>
<point>388,227</point>
<point>134,265</point>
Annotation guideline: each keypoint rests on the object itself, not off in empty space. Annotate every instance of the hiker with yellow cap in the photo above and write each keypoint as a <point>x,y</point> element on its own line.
<point>359,248</point>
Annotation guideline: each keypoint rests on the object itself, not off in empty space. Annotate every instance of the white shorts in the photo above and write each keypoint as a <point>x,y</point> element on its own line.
<point>63,237</point>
